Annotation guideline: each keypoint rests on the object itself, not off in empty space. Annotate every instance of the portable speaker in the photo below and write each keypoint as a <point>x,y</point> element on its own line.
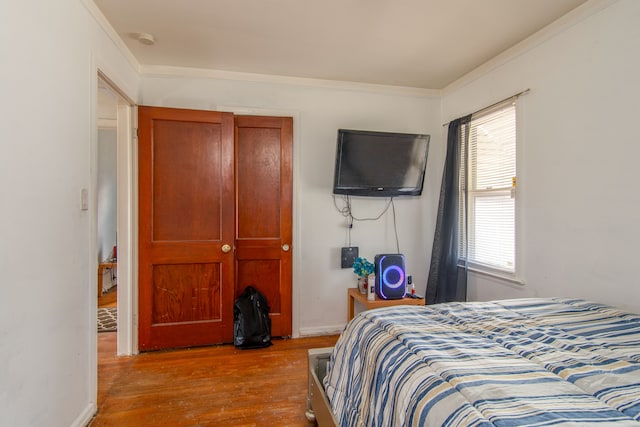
<point>390,276</point>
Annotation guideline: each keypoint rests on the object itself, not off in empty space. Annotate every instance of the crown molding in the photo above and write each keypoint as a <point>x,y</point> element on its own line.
<point>171,71</point>
<point>113,35</point>
<point>561,24</point>
<point>558,26</point>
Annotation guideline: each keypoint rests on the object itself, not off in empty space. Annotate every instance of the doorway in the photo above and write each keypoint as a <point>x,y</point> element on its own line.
<point>106,207</point>
<point>114,206</point>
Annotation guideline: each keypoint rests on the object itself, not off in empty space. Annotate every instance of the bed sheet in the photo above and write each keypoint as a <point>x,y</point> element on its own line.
<point>526,362</point>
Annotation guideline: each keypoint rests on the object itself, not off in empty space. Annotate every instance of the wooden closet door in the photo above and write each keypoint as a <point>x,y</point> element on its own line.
<point>186,217</point>
<point>264,188</point>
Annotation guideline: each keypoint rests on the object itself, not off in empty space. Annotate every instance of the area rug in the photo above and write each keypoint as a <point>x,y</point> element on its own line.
<point>107,319</point>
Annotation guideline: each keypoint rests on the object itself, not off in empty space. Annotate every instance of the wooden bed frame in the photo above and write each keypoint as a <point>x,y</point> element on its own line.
<point>318,407</point>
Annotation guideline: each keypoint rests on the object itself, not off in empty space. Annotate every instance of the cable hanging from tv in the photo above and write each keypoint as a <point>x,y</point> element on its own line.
<point>346,211</point>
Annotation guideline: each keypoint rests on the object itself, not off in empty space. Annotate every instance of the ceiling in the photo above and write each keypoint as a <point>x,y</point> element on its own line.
<point>414,43</point>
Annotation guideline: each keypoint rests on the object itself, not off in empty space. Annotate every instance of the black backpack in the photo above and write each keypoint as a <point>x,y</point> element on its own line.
<point>251,322</point>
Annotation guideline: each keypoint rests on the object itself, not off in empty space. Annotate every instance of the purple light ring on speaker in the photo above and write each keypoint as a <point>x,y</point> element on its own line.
<point>400,280</point>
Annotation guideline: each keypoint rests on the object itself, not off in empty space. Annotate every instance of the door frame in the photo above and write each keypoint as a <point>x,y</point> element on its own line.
<point>126,228</point>
<point>295,227</point>
<point>126,191</point>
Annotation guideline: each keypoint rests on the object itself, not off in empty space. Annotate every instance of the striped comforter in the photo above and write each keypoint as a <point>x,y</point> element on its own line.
<point>527,362</point>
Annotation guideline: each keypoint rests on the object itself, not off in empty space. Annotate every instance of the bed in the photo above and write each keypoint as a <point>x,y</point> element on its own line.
<point>526,362</point>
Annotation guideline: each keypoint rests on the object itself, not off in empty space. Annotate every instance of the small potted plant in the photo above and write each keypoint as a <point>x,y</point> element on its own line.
<point>363,268</point>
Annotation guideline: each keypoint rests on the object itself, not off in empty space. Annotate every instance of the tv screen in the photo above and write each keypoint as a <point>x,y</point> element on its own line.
<point>380,164</point>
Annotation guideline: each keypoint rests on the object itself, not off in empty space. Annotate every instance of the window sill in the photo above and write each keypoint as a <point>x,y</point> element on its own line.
<point>506,277</point>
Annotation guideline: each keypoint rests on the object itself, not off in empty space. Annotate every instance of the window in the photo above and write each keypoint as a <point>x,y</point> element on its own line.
<point>490,183</point>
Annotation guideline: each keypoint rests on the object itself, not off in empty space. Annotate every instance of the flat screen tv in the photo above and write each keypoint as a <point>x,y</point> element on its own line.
<point>380,164</point>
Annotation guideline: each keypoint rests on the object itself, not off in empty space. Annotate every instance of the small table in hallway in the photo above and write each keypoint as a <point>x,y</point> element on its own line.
<point>105,265</point>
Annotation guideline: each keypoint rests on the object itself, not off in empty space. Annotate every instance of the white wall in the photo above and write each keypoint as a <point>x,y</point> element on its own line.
<point>49,54</point>
<point>578,165</point>
<point>577,177</point>
<point>320,285</point>
<point>106,194</point>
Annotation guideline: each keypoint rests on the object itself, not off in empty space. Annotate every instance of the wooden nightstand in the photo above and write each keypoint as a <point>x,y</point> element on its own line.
<point>353,295</point>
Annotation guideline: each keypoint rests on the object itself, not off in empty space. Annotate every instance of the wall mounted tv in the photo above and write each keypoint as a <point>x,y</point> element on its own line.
<point>380,164</point>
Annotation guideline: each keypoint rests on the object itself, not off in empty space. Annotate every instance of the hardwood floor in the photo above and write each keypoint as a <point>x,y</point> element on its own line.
<point>109,298</point>
<point>206,386</point>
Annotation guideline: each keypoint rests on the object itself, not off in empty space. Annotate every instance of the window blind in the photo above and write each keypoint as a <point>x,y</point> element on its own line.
<point>490,176</point>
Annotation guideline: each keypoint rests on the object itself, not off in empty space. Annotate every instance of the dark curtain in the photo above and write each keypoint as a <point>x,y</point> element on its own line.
<point>448,271</point>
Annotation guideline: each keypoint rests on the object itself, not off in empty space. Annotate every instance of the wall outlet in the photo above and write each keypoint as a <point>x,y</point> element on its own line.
<point>348,256</point>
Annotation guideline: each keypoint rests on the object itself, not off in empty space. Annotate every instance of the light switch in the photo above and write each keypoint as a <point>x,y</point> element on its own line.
<point>84,199</point>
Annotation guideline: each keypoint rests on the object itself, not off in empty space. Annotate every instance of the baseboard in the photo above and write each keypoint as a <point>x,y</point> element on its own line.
<point>85,417</point>
<point>321,330</point>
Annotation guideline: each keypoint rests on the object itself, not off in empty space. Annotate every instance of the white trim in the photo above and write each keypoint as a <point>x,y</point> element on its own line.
<point>93,241</point>
<point>520,190</point>
<point>171,71</point>
<point>321,330</point>
<point>506,277</point>
<point>126,229</point>
<point>297,276</point>
<point>560,25</point>
<point>115,86</point>
<point>85,416</point>
<point>102,21</point>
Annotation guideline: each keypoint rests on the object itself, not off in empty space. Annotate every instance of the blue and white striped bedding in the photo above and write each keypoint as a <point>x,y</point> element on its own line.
<point>527,362</point>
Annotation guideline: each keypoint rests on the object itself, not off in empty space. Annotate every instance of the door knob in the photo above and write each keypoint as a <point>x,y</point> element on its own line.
<point>226,248</point>
<point>285,247</point>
